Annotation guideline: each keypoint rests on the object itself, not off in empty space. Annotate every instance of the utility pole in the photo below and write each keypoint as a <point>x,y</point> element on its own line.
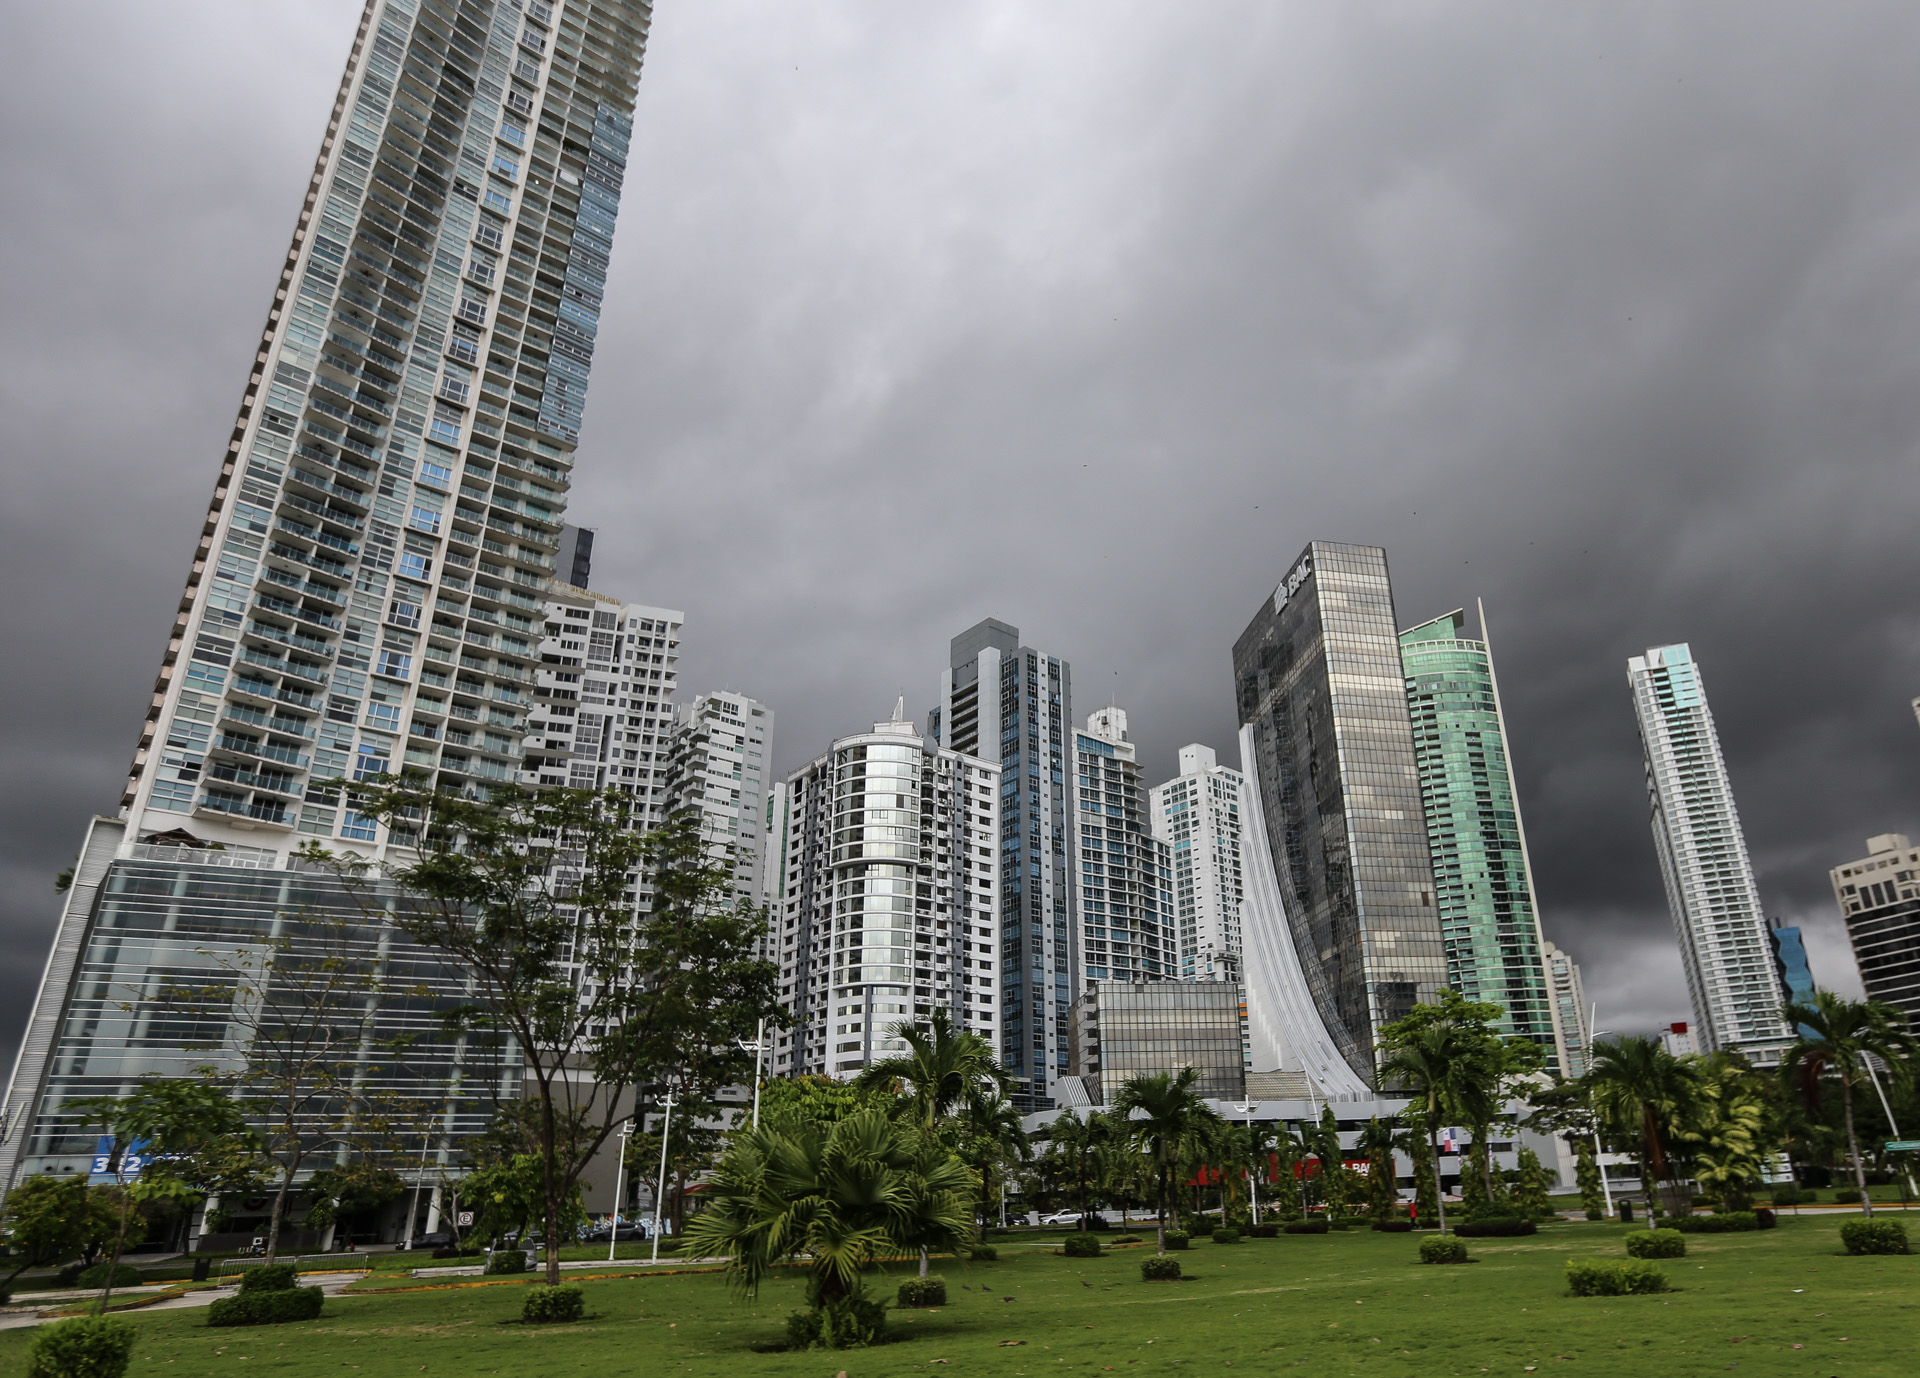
<point>619,1189</point>
<point>1253,1177</point>
<point>759,1049</point>
<point>419,1177</point>
<point>660,1192</point>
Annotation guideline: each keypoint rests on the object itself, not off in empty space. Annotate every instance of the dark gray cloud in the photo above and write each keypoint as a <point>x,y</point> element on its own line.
<point>1088,316</point>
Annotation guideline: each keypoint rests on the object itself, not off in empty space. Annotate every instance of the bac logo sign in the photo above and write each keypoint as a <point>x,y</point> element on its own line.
<point>1291,584</point>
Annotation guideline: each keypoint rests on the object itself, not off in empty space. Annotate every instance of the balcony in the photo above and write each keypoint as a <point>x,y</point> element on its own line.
<point>350,520</point>
<point>286,608</point>
<point>263,811</point>
<point>249,746</point>
<point>234,775</point>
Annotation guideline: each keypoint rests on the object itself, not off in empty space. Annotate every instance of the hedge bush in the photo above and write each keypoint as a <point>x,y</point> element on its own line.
<point>1790,1196</point>
<point>1178,1239</point>
<point>1159,1268</point>
<point>1656,1244</point>
<point>85,1347</point>
<point>1080,1246</point>
<point>1126,1239</point>
<point>1494,1223</point>
<point>1605,1277</point>
<point>1442,1248</point>
<point>1394,1226</point>
<point>270,1277</point>
<point>927,1291</point>
<point>1315,1226</point>
<point>553,1305</point>
<point>850,1323</point>
<point>124,1275</point>
<point>267,1308</point>
<point>984,1253</point>
<point>1720,1222</point>
<point>1596,1215</point>
<point>506,1261</point>
<point>1874,1237</point>
<point>1266,1230</point>
<point>1226,1236</point>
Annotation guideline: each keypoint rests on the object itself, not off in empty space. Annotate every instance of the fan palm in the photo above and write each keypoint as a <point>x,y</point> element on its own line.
<point>1637,1089</point>
<point>1840,1035</point>
<point>838,1195</point>
<point>1169,1120</point>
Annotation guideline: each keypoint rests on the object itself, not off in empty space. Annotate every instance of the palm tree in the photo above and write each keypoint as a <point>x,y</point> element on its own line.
<point>1637,1089</point>
<point>1168,1119</point>
<point>942,1067</point>
<point>994,1136</point>
<point>1439,1064</point>
<point>838,1196</point>
<point>1079,1150</point>
<point>1840,1035</point>
<point>1376,1142</point>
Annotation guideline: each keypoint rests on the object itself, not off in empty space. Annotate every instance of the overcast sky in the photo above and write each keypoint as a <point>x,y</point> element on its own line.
<point>1088,316</point>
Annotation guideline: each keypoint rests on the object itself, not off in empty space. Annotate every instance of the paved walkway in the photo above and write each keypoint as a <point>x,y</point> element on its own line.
<point>330,1283</point>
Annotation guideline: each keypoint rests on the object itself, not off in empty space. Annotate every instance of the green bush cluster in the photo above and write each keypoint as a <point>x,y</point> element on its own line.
<point>554,1305</point>
<point>1606,1277</point>
<point>1394,1226</point>
<point>85,1347</point>
<point>1442,1248</point>
<point>984,1253</point>
<point>1318,1225</point>
<point>850,1323</point>
<point>926,1291</point>
<point>1080,1246</point>
<point>1720,1222</point>
<point>1159,1268</point>
<point>1266,1230</point>
<point>124,1275</point>
<point>1178,1239</point>
<point>267,1308</point>
<point>1874,1237</point>
<point>1656,1244</point>
<point>1126,1239</point>
<point>270,1277</point>
<point>1791,1196</point>
<point>506,1261</point>
<point>1226,1236</point>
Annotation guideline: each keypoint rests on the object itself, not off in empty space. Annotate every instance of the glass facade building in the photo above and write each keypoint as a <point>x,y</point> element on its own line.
<point>1879,897</point>
<point>1013,704</point>
<point>1483,884</point>
<point>1711,892</point>
<point>1125,1029</point>
<point>1318,679</point>
<point>367,593</point>
<point>1127,928</point>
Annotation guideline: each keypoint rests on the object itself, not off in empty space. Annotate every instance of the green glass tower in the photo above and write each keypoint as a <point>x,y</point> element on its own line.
<point>1483,881</point>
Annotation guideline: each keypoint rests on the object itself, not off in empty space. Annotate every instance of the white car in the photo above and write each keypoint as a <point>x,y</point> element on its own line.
<point>1061,1218</point>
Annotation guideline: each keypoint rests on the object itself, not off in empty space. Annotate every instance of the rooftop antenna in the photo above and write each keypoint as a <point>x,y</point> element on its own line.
<point>900,709</point>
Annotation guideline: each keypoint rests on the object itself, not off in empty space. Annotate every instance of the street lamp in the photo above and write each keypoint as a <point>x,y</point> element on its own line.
<point>758,1047</point>
<point>1253,1178</point>
<point>413,1212</point>
<point>1606,1187</point>
<point>660,1192</point>
<point>619,1189</point>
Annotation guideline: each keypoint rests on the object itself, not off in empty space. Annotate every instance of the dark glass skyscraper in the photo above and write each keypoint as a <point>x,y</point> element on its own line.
<point>1005,702</point>
<point>1318,679</point>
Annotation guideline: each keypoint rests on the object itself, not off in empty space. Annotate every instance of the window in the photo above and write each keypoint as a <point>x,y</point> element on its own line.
<point>368,762</point>
<point>506,167</point>
<point>475,311</point>
<point>489,234</point>
<point>424,519</point>
<point>385,716</point>
<point>394,665</point>
<point>437,474</point>
<point>498,200</point>
<point>446,429</point>
<point>415,566</point>
<point>454,389</point>
<point>358,827</point>
<point>513,133</point>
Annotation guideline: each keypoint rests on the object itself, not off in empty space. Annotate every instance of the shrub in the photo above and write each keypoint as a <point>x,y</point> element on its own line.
<point>552,1305</point>
<point>853,1322</point>
<point>458,1251</point>
<point>1602,1277</point>
<point>1493,1229</point>
<point>1126,1239</point>
<point>1393,1226</point>
<point>1178,1239</point>
<point>124,1275</point>
<point>984,1253</point>
<point>1720,1222</point>
<point>1226,1236</point>
<point>1790,1196</point>
<point>85,1347</point>
<point>1080,1246</point>
<point>506,1261</point>
<point>1266,1230</point>
<point>1318,1225</point>
<point>270,1277</point>
<point>267,1307</point>
<point>1765,1218</point>
<point>1159,1268</point>
<point>926,1291</point>
<point>1441,1248</point>
<point>1596,1215</point>
<point>1656,1244</point>
<point>1874,1237</point>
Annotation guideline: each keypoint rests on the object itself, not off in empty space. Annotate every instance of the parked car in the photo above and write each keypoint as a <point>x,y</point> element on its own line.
<point>1071,1219</point>
<point>437,1239</point>
<point>604,1234</point>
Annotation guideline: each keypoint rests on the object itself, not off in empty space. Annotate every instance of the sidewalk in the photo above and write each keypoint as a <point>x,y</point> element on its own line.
<point>330,1283</point>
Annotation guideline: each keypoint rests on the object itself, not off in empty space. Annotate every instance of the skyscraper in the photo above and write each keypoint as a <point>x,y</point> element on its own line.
<point>1711,893</point>
<point>1126,872</point>
<point>1319,681</point>
<point>1197,814</point>
<point>1879,897</point>
<point>889,899</point>
<point>1570,1006</point>
<point>370,574</point>
<point>1013,704</point>
<point>718,766</point>
<point>1483,882</point>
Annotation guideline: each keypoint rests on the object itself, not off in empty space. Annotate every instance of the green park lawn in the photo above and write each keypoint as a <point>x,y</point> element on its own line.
<point>1785,1301</point>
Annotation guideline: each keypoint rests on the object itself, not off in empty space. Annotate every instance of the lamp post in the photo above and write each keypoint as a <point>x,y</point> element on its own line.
<point>619,1189</point>
<point>419,1177</point>
<point>759,1049</point>
<point>1606,1188</point>
<point>1253,1178</point>
<point>660,1192</point>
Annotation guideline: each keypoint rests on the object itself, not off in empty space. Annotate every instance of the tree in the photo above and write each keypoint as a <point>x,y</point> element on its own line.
<point>1435,1063</point>
<point>1728,1128</point>
<point>942,1067</point>
<point>1637,1088</point>
<point>1077,1152</point>
<point>349,1191</point>
<point>51,1219</point>
<point>837,1196</point>
<point>1376,1142</point>
<point>992,1137</point>
<point>530,894</point>
<point>1586,1174</point>
<point>788,1102</point>
<point>1171,1123</point>
<point>1531,1185</point>
<point>1415,1139</point>
<point>1838,1036</point>
<point>166,1122</point>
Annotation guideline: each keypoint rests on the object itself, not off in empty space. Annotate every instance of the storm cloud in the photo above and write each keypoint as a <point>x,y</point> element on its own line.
<point>1088,316</point>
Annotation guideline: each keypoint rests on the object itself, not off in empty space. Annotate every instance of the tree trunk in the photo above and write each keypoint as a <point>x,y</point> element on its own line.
<point>1433,1156</point>
<point>119,1243</point>
<point>279,1209</point>
<point>1853,1145</point>
<point>1160,1195</point>
<point>923,1260</point>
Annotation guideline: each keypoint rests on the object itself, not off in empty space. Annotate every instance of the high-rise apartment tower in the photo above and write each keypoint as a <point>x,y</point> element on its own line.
<point>1126,872</point>
<point>1483,882</point>
<point>1318,679</point>
<point>1197,814</point>
<point>1013,705</point>
<point>1711,893</point>
<point>1879,897</point>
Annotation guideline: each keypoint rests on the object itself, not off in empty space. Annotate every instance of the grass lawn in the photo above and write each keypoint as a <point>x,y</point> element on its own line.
<point>1343,1303</point>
